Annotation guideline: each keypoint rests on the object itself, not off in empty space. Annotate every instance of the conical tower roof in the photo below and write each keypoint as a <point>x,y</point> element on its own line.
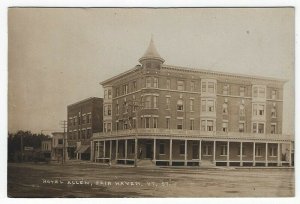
<point>151,53</point>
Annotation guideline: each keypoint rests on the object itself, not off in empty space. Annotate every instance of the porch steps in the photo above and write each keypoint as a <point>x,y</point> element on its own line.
<point>145,163</point>
<point>207,164</point>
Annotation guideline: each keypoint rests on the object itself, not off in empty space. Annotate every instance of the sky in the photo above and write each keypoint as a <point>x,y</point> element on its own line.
<point>57,57</point>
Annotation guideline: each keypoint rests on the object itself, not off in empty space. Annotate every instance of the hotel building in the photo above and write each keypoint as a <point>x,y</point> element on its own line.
<point>168,115</point>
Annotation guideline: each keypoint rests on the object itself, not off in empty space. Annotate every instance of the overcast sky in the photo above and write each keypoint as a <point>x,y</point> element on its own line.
<point>59,56</point>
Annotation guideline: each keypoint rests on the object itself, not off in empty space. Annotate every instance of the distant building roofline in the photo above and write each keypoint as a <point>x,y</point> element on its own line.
<point>84,100</point>
<point>205,71</point>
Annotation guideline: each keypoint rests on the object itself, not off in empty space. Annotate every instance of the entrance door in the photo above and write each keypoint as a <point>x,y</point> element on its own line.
<point>148,150</point>
<point>195,151</point>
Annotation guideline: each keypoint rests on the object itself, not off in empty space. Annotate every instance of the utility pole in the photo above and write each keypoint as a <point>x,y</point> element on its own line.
<point>64,126</point>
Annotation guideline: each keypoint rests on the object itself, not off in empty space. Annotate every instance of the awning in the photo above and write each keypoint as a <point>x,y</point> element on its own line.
<point>83,149</point>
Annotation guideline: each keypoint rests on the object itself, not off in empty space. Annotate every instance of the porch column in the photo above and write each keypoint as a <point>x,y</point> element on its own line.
<point>170,163</point>
<point>290,161</point>
<point>110,149</point>
<point>154,150</point>
<point>266,162</point>
<point>117,148</point>
<point>135,151</point>
<point>214,152</point>
<point>253,153</point>
<point>228,153</point>
<point>104,149</point>
<point>98,149</point>
<point>200,150</point>
<point>241,154</point>
<point>185,153</point>
<point>278,155</point>
<point>125,151</point>
<point>92,151</point>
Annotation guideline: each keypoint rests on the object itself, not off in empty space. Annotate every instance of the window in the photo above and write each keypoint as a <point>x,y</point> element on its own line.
<point>210,105</point>
<point>88,133</point>
<point>104,127</point>
<point>180,105</point>
<point>273,151</point>
<point>60,141</point>
<point>225,126</point>
<point>180,85</point>
<point>155,122</point>
<point>191,105</point>
<point>89,118</point>
<point>242,91</point>
<point>242,110</point>
<point>117,125</point>
<point>273,111</point>
<point>207,150</point>
<point>83,134</point>
<point>273,128</point>
<point>155,82</point>
<point>148,82</point>
<point>125,89</point>
<point>133,123</point>
<point>211,87</point>
<point>179,124</point>
<point>182,147</point>
<point>258,127</point>
<point>134,86</point>
<point>168,123</point>
<point>259,92</point>
<point>147,122</point>
<point>225,108</point>
<point>168,102</point>
<point>125,105</point>
<point>117,92</point>
<point>274,94</point>
<point>105,94</point>
<point>192,124</point>
<point>168,85</point>
<point>108,127</point>
<point>223,150</point>
<point>109,110</point>
<point>203,125</point>
<point>203,86</point>
<point>109,94</point>
<point>148,102</point>
<point>258,109</point>
<point>117,109</point>
<point>225,89</point>
<point>207,105</point>
<point>241,127</point>
<point>192,86</point>
<point>125,125</point>
<point>203,105</point>
<point>258,151</point>
<point>161,148</point>
<point>155,99</point>
<point>83,119</point>
<point>210,125</point>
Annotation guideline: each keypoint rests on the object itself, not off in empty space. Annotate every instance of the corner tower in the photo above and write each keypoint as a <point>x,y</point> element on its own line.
<point>151,59</point>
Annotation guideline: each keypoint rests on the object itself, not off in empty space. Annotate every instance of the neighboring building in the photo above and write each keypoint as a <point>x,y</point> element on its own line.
<point>84,118</point>
<point>47,148</point>
<point>172,115</point>
<point>58,146</point>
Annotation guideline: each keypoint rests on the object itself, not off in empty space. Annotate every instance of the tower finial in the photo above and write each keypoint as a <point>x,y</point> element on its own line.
<point>151,52</point>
